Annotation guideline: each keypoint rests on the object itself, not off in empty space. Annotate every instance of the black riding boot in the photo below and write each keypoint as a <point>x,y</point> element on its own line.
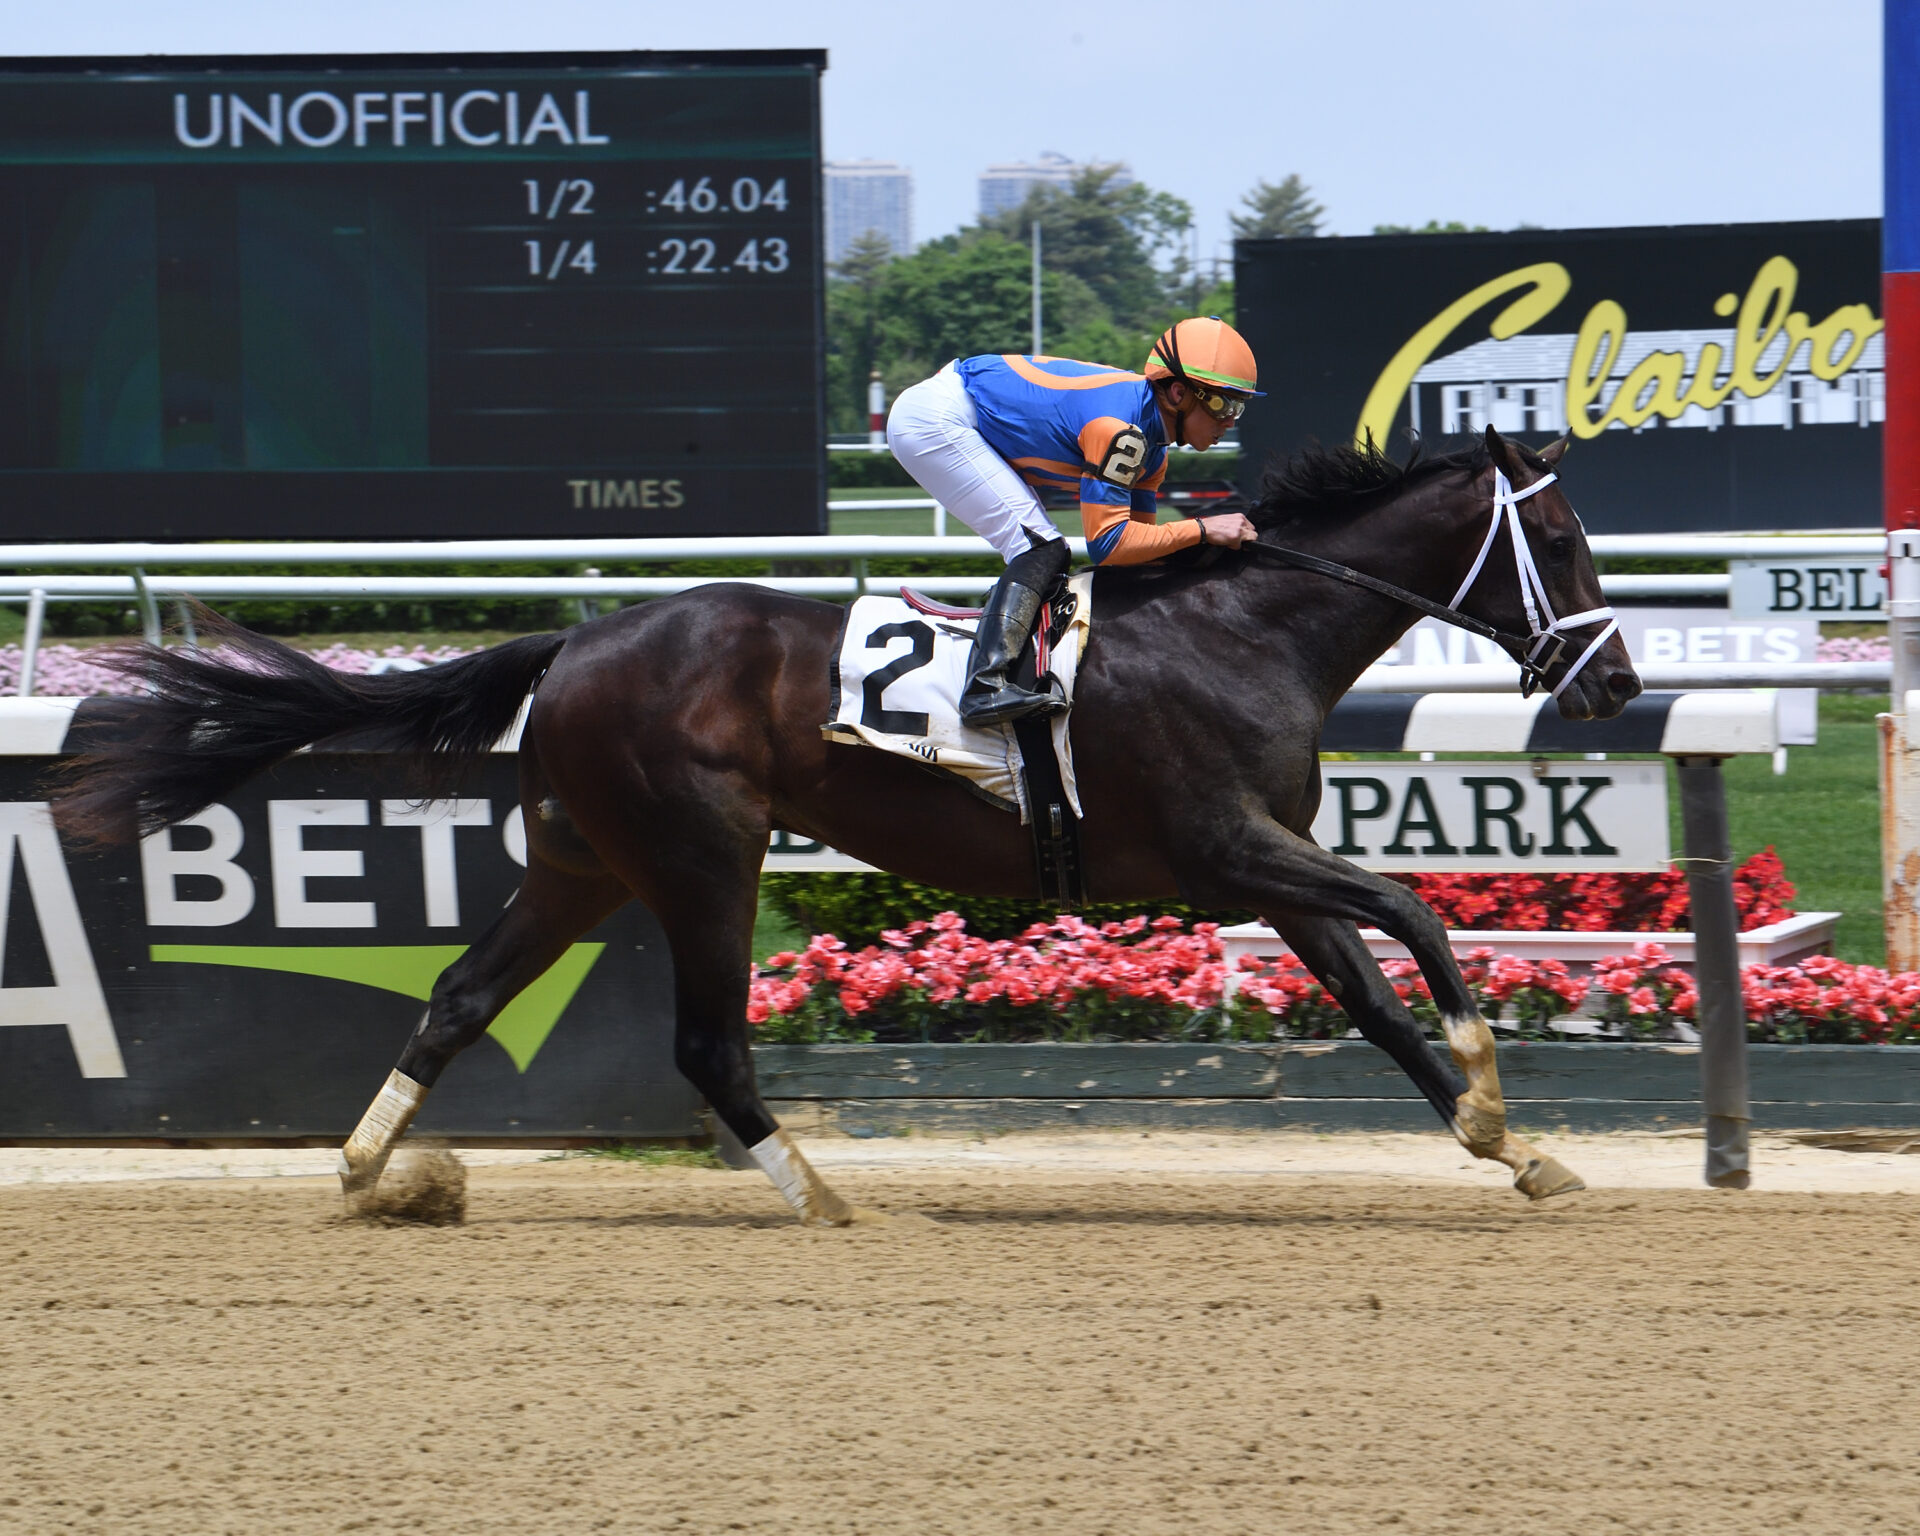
<point>1006,623</point>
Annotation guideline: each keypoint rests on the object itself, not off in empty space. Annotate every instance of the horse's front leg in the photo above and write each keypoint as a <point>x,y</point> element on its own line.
<point>1334,952</point>
<point>1320,897</point>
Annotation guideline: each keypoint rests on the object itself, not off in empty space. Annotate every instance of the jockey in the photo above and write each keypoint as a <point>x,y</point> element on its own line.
<point>983,431</point>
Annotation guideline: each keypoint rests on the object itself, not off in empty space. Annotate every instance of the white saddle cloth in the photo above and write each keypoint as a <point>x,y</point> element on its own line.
<point>897,679</point>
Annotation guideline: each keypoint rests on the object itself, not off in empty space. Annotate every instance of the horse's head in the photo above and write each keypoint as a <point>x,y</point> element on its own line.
<point>1547,590</point>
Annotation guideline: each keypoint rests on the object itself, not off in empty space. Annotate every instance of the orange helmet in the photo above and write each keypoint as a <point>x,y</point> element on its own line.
<point>1205,351</point>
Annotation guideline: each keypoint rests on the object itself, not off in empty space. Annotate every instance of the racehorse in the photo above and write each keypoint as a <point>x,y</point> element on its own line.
<point>667,741</point>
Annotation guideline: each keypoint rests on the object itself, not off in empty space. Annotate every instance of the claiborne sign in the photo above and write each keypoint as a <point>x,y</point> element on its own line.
<point>1712,377</point>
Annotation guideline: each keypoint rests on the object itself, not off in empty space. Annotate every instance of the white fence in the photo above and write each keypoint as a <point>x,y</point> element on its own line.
<point>47,577</point>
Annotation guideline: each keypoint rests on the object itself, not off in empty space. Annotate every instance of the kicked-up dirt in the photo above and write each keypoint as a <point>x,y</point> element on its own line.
<point>610,1347</point>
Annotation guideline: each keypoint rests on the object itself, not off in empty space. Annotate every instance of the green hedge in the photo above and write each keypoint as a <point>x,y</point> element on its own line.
<point>850,471</point>
<point>857,907</point>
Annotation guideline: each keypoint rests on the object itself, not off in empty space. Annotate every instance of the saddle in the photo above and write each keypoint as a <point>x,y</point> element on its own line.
<point>906,701</point>
<point>1056,614</point>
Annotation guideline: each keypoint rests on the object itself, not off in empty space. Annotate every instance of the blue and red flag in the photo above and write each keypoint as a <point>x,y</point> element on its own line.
<point>1900,263</point>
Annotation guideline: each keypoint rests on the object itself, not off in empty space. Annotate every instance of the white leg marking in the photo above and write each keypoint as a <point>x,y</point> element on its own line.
<point>365,1155</point>
<point>1480,1114</point>
<point>802,1188</point>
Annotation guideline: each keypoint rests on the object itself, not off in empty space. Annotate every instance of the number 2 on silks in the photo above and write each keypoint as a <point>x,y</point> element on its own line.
<point>1125,454</point>
<point>874,714</point>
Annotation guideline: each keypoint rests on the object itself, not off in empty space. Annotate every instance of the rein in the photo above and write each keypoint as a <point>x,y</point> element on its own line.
<point>1538,650</point>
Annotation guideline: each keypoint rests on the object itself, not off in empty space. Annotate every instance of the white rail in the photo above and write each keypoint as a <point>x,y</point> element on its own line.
<point>855,551</point>
<point>1848,544</point>
<point>375,589</point>
<point>384,588</point>
<point>1500,677</point>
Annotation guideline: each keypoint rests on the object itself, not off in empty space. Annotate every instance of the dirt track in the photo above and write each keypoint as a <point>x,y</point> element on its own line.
<point>604,1347</point>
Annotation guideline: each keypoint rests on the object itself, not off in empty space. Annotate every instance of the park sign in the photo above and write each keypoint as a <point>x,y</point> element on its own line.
<point>1712,378</point>
<point>1512,814</point>
<point>1496,815</point>
<point>424,296</point>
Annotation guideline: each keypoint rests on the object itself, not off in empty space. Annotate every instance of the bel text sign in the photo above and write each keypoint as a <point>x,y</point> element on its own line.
<point>1808,589</point>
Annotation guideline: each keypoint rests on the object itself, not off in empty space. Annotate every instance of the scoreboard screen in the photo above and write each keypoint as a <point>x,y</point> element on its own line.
<point>411,297</point>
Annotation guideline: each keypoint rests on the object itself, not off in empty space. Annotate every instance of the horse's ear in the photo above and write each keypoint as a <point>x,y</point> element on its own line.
<point>1552,454</point>
<point>1497,447</point>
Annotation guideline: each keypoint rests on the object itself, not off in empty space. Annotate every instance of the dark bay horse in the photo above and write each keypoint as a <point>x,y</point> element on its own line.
<point>667,741</point>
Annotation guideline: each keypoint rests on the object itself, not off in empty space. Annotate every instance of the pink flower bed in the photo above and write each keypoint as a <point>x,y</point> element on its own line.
<point>63,671</point>
<point>1854,648</point>
<point>1144,979</point>
<point>1642,902</point>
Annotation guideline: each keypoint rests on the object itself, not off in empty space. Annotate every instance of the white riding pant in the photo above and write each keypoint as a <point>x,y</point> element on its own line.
<point>934,431</point>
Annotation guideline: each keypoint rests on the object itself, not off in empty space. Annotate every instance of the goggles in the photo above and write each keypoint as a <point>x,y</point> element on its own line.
<point>1220,407</point>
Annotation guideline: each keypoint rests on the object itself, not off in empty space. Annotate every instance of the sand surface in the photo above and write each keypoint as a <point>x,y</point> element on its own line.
<point>1107,1334</point>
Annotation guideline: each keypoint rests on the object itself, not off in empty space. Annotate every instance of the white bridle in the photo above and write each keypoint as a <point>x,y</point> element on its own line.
<point>1533,591</point>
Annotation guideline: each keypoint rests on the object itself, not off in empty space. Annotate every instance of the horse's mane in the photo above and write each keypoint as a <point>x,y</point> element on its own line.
<point>1339,480</point>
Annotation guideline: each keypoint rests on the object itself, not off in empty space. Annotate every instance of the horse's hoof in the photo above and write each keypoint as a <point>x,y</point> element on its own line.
<point>425,1187</point>
<point>1541,1178</point>
<point>357,1186</point>
<point>824,1208</point>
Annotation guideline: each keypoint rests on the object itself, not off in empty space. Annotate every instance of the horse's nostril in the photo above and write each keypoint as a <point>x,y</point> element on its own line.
<point>1623,685</point>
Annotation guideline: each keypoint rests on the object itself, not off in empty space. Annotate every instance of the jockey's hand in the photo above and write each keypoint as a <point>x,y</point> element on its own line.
<point>1229,528</point>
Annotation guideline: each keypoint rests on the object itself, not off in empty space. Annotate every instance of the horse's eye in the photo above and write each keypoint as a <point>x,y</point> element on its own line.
<point>1560,549</point>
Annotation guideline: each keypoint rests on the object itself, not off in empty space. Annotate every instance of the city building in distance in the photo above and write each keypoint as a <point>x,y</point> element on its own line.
<point>865,195</point>
<point>1004,187</point>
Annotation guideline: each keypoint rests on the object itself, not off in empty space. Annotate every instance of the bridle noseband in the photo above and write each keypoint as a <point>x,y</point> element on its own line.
<point>1540,648</point>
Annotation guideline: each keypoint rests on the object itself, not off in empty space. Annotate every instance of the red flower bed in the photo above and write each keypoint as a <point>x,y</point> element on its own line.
<point>1153,980</point>
<point>1631,903</point>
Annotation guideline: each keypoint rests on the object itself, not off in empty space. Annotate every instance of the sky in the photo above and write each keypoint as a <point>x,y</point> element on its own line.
<point>1393,111</point>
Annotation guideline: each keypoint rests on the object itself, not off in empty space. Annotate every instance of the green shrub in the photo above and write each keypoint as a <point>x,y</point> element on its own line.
<point>857,907</point>
<point>852,471</point>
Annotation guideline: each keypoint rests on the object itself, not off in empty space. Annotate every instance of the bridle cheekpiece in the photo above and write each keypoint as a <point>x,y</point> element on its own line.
<point>1545,642</point>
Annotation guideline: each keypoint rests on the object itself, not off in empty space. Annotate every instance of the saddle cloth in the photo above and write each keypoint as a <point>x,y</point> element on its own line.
<point>897,676</point>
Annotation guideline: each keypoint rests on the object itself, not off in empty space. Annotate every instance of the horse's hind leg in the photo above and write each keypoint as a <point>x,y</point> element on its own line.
<point>1472,1107</point>
<point>712,940</point>
<point>695,861</point>
<point>551,909</point>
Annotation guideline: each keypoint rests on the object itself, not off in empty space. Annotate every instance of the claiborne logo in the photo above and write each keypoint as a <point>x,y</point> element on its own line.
<point>1607,377</point>
<point>382,119</point>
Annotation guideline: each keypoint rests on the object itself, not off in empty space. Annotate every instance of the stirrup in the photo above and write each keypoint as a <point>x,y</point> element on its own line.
<point>990,706</point>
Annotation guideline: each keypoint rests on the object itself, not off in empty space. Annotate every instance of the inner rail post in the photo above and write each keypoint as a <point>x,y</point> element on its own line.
<point>1716,963</point>
<point>30,641</point>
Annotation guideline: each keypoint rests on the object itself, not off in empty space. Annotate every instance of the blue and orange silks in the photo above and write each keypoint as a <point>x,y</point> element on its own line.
<point>1062,424</point>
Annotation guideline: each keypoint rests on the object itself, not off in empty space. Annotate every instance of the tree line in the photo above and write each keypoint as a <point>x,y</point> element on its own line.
<point>1117,269</point>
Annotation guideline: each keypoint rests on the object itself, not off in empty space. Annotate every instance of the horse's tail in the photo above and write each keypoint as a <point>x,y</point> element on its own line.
<point>215,719</point>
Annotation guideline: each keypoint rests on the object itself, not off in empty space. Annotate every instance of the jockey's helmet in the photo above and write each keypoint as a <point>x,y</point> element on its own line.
<point>1212,359</point>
